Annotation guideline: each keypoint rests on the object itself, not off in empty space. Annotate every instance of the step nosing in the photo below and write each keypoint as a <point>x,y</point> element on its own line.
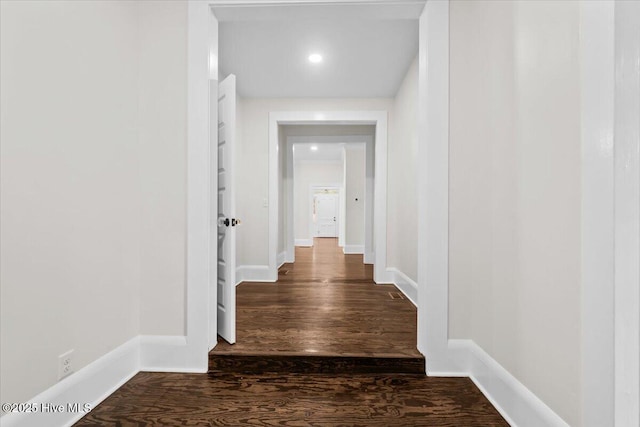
<point>325,356</point>
<point>316,363</point>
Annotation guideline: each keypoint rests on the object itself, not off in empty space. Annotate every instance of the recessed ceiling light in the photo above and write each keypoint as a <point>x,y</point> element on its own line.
<point>315,58</point>
<point>314,148</point>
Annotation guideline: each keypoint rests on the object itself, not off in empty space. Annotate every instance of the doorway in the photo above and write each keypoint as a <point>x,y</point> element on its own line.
<point>375,203</point>
<point>351,148</point>
<point>325,212</point>
<point>203,42</point>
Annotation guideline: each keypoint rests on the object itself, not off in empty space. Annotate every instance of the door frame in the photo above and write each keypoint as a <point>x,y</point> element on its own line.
<point>610,213</point>
<point>312,194</point>
<point>347,140</point>
<point>189,353</point>
<point>361,117</point>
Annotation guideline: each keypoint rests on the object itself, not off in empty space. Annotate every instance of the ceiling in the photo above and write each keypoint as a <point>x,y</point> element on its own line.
<point>362,57</point>
<point>313,136</point>
<point>324,152</point>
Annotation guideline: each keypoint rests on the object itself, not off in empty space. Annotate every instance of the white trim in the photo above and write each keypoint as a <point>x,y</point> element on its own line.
<point>212,105</point>
<point>304,242</point>
<point>378,118</point>
<point>597,98</point>
<point>387,279</point>
<point>627,214</point>
<point>515,402</point>
<point>289,218</point>
<point>353,249</point>
<point>253,273</point>
<point>160,353</point>
<point>433,185</point>
<point>342,230</point>
<point>282,256</point>
<point>199,200</point>
<point>406,285</point>
<point>273,199</point>
<point>370,185</point>
<point>91,384</point>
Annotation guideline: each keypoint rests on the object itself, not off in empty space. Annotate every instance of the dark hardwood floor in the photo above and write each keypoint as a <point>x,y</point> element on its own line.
<point>324,346</point>
<point>324,304</point>
<point>294,400</point>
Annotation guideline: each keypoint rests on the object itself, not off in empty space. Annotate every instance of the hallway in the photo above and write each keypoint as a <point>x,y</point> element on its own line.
<point>325,303</point>
<point>323,346</point>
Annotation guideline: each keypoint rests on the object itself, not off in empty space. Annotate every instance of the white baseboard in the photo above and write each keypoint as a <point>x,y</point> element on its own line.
<point>304,242</point>
<point>281,258</point>
<point>515,402</point>
<point>253,273</point>
<point>91,385</point>
<point>407,286</point>
<point>290,257</point>
<point>96,381</point>
<point>353,249</point>
<point>160,353</point>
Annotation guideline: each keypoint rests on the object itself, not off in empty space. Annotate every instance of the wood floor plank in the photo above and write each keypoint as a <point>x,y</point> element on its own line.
<point>296,400</point>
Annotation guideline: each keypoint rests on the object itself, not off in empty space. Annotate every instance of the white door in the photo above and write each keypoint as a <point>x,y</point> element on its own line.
<point>326,208</point>
<point>227,221</point>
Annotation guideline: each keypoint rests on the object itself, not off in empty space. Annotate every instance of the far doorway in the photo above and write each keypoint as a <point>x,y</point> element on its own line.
<point>325,212</point>
<point>329,185</point>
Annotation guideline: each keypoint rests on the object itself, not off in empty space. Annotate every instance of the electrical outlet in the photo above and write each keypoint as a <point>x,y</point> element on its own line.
<point>65,364</point>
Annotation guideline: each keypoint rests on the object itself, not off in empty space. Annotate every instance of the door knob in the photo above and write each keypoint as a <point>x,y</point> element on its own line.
<point>226,222</point>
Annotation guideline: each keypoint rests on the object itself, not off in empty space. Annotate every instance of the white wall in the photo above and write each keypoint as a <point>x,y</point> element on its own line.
<point>162,136</point>
<point>402,197</point>
<point>252,181</point>
<point>70,208</point>
<point>515,245</point>
<point>354,178</point>
<point>306,174</point>
<point>92,182</point>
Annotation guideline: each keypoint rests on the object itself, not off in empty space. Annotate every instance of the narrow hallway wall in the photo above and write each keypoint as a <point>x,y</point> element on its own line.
<point>515,191</point>
<point>402,211</point>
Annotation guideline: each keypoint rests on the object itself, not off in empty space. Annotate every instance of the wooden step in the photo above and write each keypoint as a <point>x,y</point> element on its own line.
<point>314,364</point>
